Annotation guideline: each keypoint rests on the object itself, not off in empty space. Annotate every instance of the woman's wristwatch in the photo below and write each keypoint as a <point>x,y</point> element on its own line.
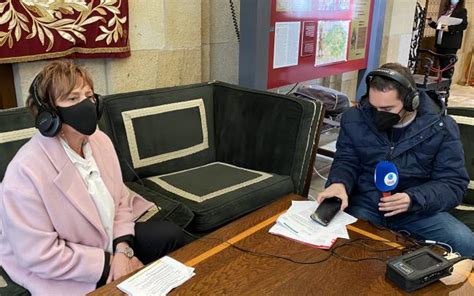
<point>127,251</point>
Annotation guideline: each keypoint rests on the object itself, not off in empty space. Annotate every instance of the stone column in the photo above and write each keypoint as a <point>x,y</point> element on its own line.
<point>397,31</point>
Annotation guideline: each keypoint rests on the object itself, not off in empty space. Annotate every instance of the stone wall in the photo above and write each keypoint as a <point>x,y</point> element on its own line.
<point>173,42</point>
<point>219,42</point>
<point>397,31</point>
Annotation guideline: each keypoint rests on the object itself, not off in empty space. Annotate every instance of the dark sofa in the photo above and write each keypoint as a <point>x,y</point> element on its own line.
<point>465,120</point>
<point>217,150</point>
<point>204,153</point>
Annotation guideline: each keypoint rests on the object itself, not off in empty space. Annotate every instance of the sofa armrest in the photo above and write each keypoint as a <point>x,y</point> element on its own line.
<point>267,132</point>
<point>16,128</point>
<point>464,117</point>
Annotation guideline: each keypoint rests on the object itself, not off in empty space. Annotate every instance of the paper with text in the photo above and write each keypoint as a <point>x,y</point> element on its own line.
<point>296,224</point>
<point>159,278</point>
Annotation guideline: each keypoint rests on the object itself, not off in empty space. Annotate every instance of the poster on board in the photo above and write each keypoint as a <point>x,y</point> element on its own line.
<point>286,45</point>
<point>333,5</point>
<point>308,39</point>
<point>331,42</point>
<point>359,29</point>
<point>293,5</point>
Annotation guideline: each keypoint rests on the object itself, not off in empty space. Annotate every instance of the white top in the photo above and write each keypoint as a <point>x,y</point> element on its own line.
<point>89,172</point>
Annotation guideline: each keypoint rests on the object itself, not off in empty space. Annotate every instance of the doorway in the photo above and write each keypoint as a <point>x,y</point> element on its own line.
<point>7,87</point>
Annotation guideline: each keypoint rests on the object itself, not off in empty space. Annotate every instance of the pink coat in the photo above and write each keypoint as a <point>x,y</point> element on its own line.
<point>52,240</point>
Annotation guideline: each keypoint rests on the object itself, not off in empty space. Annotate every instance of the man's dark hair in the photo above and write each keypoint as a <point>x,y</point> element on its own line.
<point>385,84</point>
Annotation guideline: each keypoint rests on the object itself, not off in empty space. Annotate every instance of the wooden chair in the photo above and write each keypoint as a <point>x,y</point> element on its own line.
<point>433,77</point>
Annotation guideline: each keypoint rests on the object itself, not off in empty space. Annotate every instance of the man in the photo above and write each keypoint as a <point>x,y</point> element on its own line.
<point>411,130</point>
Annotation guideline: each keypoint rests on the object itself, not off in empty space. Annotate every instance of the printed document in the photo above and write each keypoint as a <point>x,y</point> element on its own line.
<point>159,278</point>
<point>297,225</point>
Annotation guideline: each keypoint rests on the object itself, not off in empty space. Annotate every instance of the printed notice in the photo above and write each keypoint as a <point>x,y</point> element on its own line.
<point>359,29</point>
<point>286,46</point>
<point>293,5</point>
<point>309,39</point>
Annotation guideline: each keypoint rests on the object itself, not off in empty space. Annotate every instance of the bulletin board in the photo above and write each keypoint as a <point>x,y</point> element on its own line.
<point>310,39</point>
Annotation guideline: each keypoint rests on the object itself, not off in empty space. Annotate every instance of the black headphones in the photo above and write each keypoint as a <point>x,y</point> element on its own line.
<point>411,99</point>
<point>48,121</point>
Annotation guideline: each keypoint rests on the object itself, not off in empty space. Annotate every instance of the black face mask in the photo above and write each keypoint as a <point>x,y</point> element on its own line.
<point>384,120</point>
<point>82,116</point>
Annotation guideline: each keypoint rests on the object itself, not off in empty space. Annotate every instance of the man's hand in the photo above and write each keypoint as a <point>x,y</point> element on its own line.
<point>395,204</point>
<point>336,189</point>
<point>445,28</point>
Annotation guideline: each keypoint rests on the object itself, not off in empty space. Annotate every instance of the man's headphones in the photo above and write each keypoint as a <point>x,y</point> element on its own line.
<point>411,99</point>
<point>48,121</point>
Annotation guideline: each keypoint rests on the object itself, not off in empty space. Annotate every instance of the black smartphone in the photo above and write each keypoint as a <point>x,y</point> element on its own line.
<point>327,210</point>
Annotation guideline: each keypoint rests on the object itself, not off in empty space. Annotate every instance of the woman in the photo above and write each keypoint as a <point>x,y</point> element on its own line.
<point>449,38</point>
<point>67,220</point>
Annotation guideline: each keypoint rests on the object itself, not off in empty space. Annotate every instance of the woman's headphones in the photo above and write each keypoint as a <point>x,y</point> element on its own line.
<point>48,121</point>
<point>411,99</point>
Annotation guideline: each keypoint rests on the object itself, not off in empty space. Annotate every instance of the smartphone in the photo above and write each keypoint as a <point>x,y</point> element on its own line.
<point>327,210</point>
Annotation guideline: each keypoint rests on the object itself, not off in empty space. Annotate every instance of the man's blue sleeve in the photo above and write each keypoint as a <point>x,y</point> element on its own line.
<point>346,164</point>
<point>449,177</point>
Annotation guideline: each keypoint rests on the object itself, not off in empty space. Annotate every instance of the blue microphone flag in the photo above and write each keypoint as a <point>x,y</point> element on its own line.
<point>386,176</point>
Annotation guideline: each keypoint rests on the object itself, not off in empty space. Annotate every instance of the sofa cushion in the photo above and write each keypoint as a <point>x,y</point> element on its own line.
<point>16,128</point>
<point>465,213</point>
<point>161,131</point>
<point>266,131</point>
<point>9,287</point>
<point>218,192</point>
<point>169,209</point>
<point>464,117</point>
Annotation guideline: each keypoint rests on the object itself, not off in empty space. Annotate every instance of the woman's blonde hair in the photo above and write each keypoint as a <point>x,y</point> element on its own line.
<point>55,81</point>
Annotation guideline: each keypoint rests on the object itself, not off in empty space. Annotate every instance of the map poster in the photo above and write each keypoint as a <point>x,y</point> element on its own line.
<point>359,29</point>
<point>332,39</point>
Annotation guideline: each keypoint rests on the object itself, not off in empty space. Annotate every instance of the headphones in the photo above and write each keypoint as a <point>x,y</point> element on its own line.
<point>48,121</point>
<point>411,99</point>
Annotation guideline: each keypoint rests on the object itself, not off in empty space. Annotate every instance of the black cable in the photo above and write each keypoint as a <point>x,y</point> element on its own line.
<point>288,92</point>
<point>234,20</point>
<point>133,171</point>
<point>261,254</point>
<point>355,243</point>
<point>415,243</point>
<point>324,258</point>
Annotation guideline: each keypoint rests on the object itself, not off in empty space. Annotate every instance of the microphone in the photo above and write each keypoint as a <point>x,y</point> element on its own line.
<point>386,177</point>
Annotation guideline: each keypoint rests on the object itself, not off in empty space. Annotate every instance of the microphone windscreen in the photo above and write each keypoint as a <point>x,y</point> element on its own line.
<point>386,176</point>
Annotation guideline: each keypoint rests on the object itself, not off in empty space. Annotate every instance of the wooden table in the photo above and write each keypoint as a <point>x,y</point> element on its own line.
<point>223,270</point>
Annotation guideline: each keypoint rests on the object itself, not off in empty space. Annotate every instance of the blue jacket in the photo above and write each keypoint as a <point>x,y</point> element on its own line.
<point>429,158</point>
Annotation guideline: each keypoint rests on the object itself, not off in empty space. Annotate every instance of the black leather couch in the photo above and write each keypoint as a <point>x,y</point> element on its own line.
<point>465,120</point>
<point>217,150</point>
<point>206,153</point>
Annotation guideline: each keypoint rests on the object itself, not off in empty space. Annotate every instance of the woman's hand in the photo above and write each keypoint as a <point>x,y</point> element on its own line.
<point>336,189</point>
<point>122,265</point>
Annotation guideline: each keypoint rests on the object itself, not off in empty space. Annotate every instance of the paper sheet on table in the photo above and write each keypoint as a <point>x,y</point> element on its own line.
<point>319,242</point>
<point>159,278</point>
<point>296,224</point>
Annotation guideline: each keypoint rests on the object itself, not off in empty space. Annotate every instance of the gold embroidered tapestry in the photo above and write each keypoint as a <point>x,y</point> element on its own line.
<point>43,29</point>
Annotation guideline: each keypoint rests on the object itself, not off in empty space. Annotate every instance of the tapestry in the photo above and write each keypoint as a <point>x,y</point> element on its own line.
<point>42,29</point>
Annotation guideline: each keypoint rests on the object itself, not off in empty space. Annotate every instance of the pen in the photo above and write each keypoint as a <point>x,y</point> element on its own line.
<point>291,228</point>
